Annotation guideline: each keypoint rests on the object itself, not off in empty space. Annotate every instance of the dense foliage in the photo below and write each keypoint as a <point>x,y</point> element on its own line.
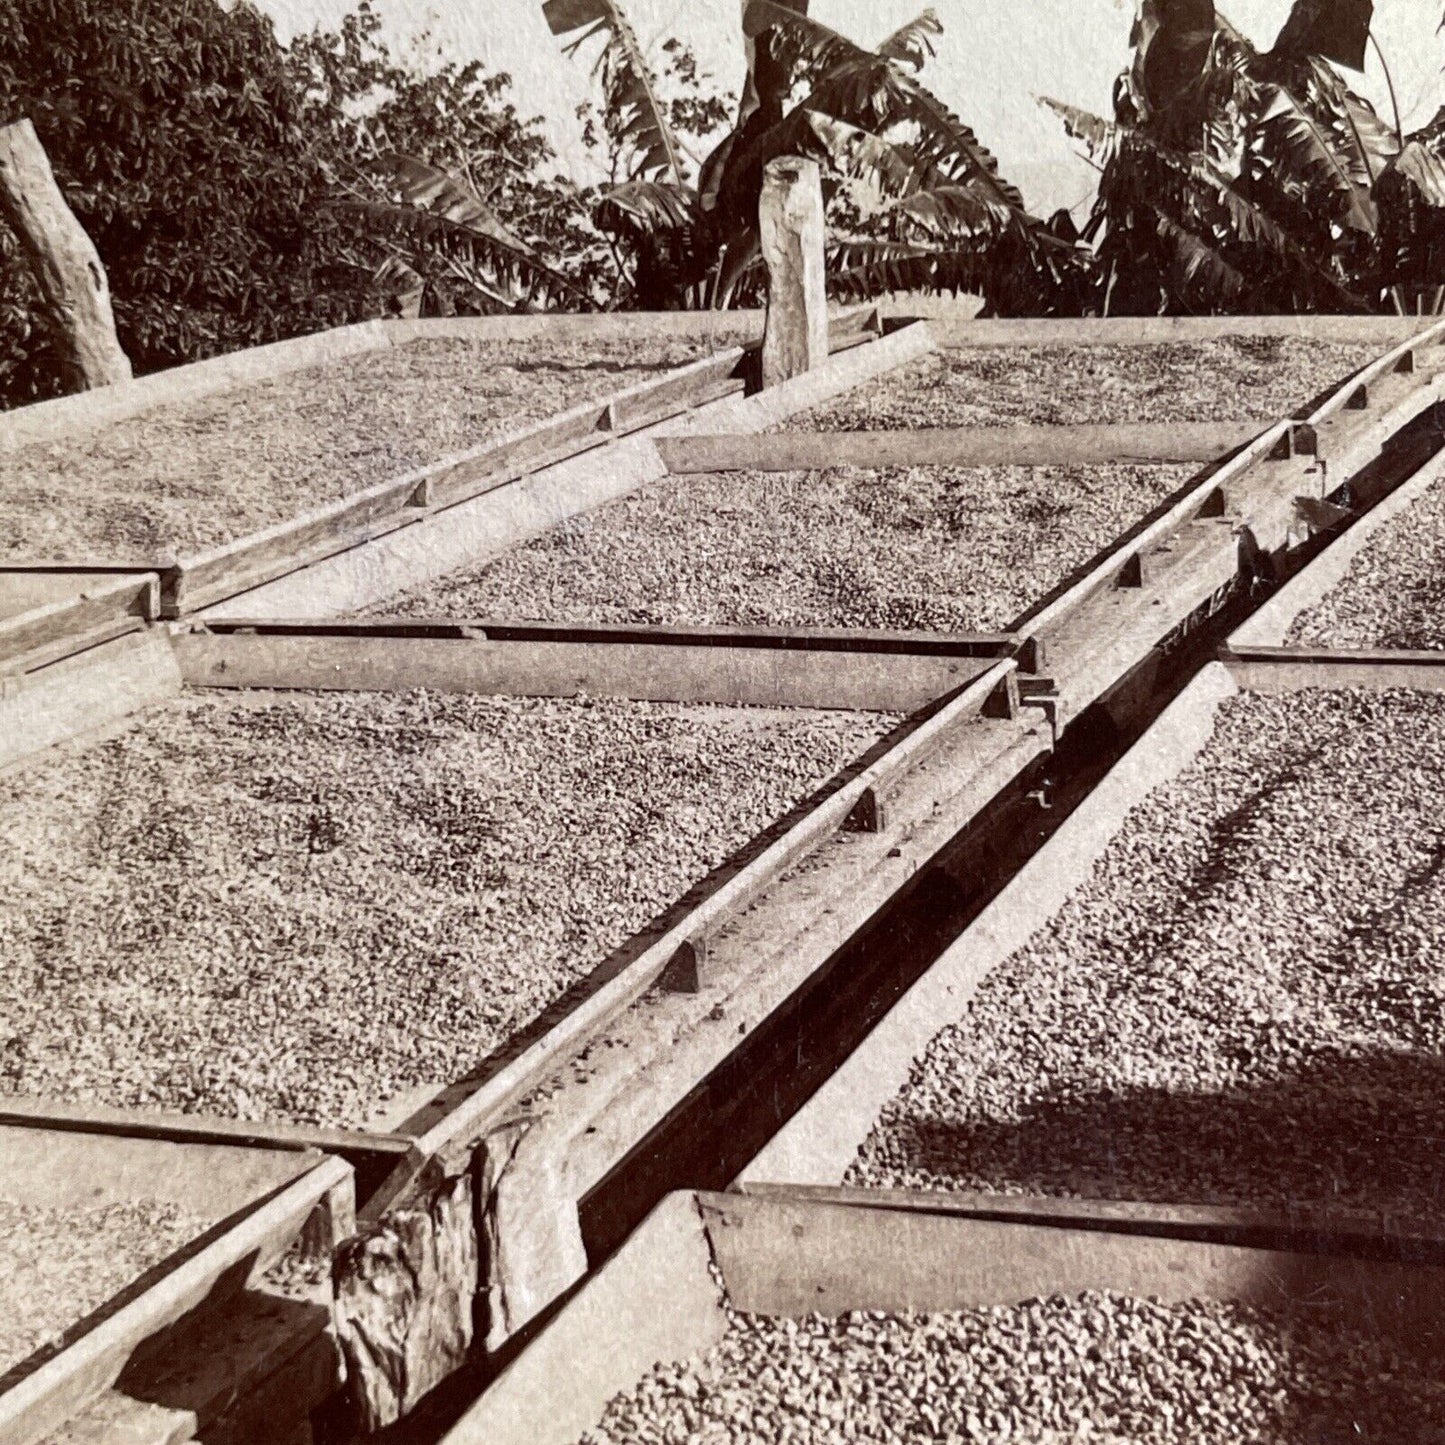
<point>176,134</point>
<point>239,192</point>
<point>1248,180</point>
<point>915,198</point>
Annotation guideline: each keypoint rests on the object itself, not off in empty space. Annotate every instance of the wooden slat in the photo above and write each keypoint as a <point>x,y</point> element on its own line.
<point>789,1257</point>
<point>785,639</point>
<point>100,1120</point>
<point>83,696</point>
<point>45,1399</point>
<point>1158,330</point>
<point>731,675</point>
<point>1143,443</point>
<point>1286,669</point>
<point>1359,1233</point>
<point>69,612</point>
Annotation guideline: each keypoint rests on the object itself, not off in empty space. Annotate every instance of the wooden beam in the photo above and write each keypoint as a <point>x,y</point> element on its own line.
<point>781,639</point>
<point>792,1256</point>
<point>1160,330</point>
<point>1290,669</point>
<point>41,613</point>
<point>83,696</point>
<point>1142,443</point>
<point>63,260</point>
<point>739,676</point>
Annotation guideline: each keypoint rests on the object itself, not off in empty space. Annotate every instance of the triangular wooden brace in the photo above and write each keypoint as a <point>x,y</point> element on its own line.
<point>869,814</point>
<point>683,973</point>
<point>1003,701</point>
<point>1131,574</point>
<point>1216,504</point>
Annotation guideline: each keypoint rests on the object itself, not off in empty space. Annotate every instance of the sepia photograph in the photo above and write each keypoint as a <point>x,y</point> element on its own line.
<point>722,722</point>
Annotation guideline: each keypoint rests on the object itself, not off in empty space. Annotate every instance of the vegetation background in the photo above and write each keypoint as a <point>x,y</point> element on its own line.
<point>245,183</point>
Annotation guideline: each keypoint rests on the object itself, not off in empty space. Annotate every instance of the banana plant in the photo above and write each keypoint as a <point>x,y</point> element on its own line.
<point>939,213</point>
<point>1234,178</point>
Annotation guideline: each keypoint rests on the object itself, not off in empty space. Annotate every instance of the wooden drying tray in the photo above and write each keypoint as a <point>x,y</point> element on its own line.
<point>1247,519</point>
<point>791,1253</point>
<point>817,1146</point>
<point>738,944</point>
<point>370,573</point>
<point>259,1200</point>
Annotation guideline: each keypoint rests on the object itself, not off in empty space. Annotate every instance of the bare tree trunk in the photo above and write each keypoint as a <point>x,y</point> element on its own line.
<point>62,257</point>
<point>793,230</point>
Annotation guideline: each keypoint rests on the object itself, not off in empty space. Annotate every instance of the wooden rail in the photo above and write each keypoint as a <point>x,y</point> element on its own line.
<point>1142,443</point>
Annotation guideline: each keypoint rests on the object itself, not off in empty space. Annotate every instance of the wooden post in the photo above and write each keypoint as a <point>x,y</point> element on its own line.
<point>63,258</point>
<point>792,227</point>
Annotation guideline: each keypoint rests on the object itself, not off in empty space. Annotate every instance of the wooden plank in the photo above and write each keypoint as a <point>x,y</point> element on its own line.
<point>81,697</point>
<point>654,1301</point>
<point>65,1168</point>
<point>1271,623</point>
<point>71,415</point>
<point>798,639</point>
<point>493,1093</point>
<point>679,391</point>
<point>822,1139</point>
<point>723,328</point>
<point>1142,443</point>
<point>1285,669</point>
<point>90,609</point>
<point>790,1257</point>
<point>1356,1232</point>
<point>93,1120</point>
<point>1160,330</point>
<point>45,1399</point>
<point>740,676</point>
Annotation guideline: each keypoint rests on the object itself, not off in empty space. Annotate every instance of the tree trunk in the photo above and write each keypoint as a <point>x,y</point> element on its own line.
<point>63,258</point>
<point>793,230</point>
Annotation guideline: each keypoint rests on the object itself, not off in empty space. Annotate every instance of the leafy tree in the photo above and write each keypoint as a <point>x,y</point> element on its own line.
<point>452,196</point>
<point>177,135</point>
<point>1240,179</point>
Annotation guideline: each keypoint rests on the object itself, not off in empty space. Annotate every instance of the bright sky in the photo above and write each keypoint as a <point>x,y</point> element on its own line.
<point>994,58</point>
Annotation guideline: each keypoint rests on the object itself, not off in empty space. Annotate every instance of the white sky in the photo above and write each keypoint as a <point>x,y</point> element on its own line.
<point>994,58</point>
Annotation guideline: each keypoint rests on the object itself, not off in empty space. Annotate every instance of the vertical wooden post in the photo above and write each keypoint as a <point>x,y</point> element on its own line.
<point>793,230</point>
<point>63,258</point>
